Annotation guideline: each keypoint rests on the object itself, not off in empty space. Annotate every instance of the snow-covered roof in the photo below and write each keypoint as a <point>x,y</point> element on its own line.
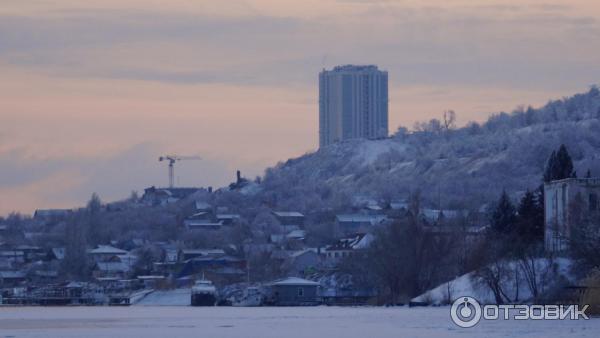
<point>151,277</point>
<point>228,216</point>
<point>360,218</point>
<point>358,241</point>
<point>107,250</point>
<point>198,215</point>
<point>293,281</point>
<point>296,234</point>
<point>203,252</point>
<point>288,214</point>
<point>202,224</point>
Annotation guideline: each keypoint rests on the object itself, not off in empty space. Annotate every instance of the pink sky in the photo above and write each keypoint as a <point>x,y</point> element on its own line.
<point>92,92</point>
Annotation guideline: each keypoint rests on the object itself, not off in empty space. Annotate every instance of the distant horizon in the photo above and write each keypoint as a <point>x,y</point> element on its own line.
<point>92,93</point>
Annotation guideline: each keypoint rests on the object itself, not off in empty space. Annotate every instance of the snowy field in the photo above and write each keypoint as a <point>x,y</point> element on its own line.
<point>346,322</point>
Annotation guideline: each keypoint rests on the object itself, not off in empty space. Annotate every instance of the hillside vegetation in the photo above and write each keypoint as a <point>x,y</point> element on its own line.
<point>451,167</point>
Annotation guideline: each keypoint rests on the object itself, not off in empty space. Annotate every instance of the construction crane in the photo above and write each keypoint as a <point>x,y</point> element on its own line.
<point>172,159</point>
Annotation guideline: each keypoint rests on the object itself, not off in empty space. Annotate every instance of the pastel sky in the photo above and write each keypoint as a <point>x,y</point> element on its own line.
<point>92,92</point>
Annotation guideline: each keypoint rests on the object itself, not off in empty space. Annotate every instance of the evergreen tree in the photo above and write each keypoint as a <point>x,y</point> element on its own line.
<point>588,174</point>
<point>530,219</point>
<point>550,168</point>
<point>93,220</point>
<point>504,215</point>
<point>559,166</point>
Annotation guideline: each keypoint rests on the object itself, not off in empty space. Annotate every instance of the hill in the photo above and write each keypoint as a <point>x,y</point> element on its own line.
<point>450,167</point>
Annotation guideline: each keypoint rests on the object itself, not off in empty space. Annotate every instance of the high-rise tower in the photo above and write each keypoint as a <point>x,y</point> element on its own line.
<point>353,103</point>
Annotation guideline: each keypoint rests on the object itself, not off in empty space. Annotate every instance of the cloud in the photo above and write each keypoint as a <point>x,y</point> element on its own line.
<point>86,85</point>
<point>70,180</point>
<point>430,44</point>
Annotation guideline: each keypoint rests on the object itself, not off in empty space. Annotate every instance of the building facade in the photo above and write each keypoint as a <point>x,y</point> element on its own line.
<point>562,200</point>
<point>353,103</point>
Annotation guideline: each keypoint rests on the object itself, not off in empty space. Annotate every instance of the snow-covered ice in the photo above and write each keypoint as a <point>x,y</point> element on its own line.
<point>265,322</point>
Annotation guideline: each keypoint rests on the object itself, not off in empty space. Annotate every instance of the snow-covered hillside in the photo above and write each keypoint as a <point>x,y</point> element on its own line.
<point>461,168</point>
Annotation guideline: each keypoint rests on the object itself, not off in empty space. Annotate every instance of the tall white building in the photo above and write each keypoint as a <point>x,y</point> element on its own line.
<point>566,203</point>
<point>353,103</point>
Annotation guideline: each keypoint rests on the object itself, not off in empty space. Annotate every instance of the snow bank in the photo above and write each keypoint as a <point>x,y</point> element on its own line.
<point>466,285</point>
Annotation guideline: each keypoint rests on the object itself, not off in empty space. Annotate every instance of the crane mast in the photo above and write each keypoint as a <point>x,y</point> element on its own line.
<point>172,159</point>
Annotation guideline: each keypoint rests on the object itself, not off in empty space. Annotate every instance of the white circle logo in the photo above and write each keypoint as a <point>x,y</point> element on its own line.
<point>465,312</point>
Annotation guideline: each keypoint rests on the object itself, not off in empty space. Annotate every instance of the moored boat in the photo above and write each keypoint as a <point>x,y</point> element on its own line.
<point>204,293</point>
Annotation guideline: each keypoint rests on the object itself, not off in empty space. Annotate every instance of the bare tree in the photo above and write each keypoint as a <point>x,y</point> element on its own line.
<point>449,120</point>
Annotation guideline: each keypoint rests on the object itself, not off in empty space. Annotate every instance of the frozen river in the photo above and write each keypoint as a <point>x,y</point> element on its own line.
<point>346,322</point>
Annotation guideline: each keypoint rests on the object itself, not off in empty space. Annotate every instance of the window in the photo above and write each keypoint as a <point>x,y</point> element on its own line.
<point>593,202</point>
<point>300,292</point>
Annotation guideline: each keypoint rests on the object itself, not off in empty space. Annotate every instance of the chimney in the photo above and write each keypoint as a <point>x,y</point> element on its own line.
<point>239,176</point>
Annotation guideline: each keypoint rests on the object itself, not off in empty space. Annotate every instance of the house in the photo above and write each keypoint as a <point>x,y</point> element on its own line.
<point>51,214</point>
<point>47,275</point>
<point>31,252</point>
<point>13,256</point>
<point>346,247</point>
<point>295,239</point>
<point>218,269</point>
<point>302,263</point>
<point>105,252</point>
<point>163,196</point>
<point>110,269</point>
<point>565,202</point>
<point>355,223</point>
<point>11,278</point>
<point>288,218</point>
<point>193,253</point>
<point>116,266</point>
<point>293,291</point>
<point>434,216</point>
